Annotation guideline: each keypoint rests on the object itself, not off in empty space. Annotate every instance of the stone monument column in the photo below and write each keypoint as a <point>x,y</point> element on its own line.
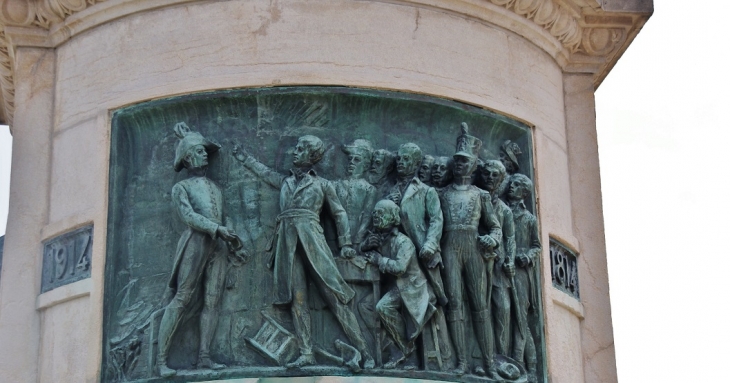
<point>93,88</point>
<point>28,213</point>
<point>585,190</point>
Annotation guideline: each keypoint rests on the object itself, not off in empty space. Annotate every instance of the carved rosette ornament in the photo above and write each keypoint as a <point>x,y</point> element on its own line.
<point>602,41</point>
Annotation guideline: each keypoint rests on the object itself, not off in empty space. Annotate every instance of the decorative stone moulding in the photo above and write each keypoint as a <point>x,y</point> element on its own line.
<point>588,36</point>
<point>558,20</point>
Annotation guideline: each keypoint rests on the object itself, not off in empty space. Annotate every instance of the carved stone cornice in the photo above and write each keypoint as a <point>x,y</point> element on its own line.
<point>41,13</point>
<point>560,21</point>
<point>589,35</point>
<point>27,13</point>
<point>593,32</point>
<point>7,86</point>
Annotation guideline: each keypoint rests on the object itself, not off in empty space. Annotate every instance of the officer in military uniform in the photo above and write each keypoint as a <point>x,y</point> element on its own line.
<point>468,256</point>
<point>199,202</point>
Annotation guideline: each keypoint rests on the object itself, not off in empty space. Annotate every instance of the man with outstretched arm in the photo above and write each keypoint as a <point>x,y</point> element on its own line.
<point>301,253</point>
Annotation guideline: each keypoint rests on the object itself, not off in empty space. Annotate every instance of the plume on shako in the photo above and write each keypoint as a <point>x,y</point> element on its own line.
<point>189,140</point>
<point>467,145</point>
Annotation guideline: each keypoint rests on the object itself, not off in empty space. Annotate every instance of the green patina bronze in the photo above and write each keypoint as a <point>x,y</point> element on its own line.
<point>244,239</point>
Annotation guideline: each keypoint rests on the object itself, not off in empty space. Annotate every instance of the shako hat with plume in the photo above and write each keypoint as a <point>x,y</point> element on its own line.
<point>467,145</point>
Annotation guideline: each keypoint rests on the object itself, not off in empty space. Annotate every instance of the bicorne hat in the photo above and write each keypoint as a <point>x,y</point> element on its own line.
<point>467,145</point>
<point>511,150</point>
<point>189,140</point>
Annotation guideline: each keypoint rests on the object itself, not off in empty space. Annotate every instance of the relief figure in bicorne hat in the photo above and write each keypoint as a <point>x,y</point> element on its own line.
<point>199,203</point>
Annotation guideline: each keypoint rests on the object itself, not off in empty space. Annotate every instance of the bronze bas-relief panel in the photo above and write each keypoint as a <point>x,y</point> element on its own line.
<point>320,231</point>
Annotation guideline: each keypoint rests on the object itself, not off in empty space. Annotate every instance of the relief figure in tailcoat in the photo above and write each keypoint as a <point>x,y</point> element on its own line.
<point>395,255</point>
<point>490,177</point>
<point>424,170</point>
<point>355,193</point>
<point>421,216</point>
<point>442,172</point>
<point>527,256</point>
<point>468,256</point>
<point>199,203</point>
<point>381,167</point>
<point>300,251</point>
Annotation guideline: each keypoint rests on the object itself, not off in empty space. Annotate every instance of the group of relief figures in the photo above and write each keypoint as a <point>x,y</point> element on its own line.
<point>436,228</point>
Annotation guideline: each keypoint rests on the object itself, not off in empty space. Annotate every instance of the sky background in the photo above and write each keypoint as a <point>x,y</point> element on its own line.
<point>663,142</point>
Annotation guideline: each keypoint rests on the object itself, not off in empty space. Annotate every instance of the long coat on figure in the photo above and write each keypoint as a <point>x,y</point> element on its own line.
<point>527,242</point>
<point>358,199</point>
<point>399,260</point>
<point>423,222</point>
<point>202,213</point>
<point>301,204</point>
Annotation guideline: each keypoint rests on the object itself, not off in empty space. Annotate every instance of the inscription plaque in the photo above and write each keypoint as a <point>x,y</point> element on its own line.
<point>312,231</point>
<point>67,258</point>
<point>564,267</point>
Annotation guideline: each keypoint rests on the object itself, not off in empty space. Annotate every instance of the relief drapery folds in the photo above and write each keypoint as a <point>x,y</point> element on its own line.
<point>353,259</point>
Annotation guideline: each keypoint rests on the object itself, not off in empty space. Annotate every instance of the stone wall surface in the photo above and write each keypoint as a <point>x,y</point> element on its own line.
<point>65,91</point>
<point>21,328</point>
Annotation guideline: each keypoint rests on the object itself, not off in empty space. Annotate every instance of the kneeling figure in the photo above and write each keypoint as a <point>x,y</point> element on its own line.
<point>394,253</point>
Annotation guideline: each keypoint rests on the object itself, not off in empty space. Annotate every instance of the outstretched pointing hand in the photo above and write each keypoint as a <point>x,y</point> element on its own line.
<point>239,153</point>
